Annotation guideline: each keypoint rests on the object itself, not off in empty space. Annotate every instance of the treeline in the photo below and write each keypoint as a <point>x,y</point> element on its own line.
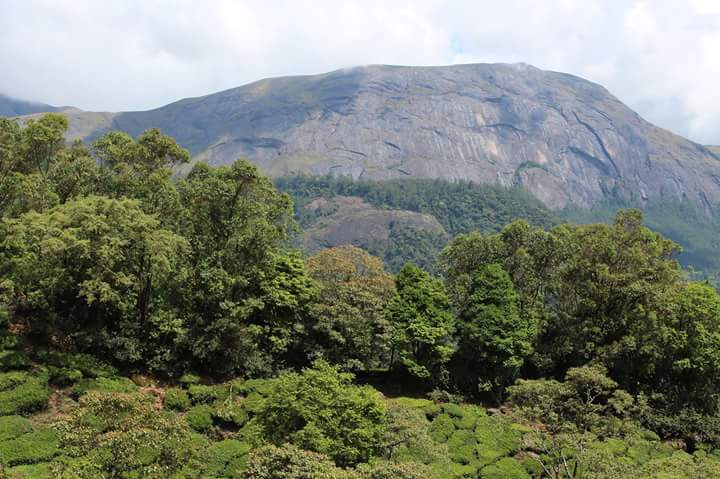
<point>684,223</point>
<point>102,252</point>
<point>461,207</point>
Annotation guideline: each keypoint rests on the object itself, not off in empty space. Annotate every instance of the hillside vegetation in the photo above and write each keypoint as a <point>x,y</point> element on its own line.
<point>460,207</point>
<point>160,328</point>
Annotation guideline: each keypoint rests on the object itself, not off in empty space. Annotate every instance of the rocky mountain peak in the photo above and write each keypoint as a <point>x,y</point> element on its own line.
<point>567,140</point>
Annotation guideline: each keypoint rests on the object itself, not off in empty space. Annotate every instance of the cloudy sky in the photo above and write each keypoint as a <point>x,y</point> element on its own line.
<point>662,57</point>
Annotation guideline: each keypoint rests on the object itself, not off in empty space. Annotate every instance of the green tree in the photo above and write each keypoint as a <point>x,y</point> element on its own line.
<point>245,297</point>
<point>494,339</point>
<point>100,273</point>
<point>350,327</point>
<point>688,371</point>
<point>321,410</point>
<point>421,323</point>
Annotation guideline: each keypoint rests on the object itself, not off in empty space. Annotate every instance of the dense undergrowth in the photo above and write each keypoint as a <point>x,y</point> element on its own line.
<point>84,420</point>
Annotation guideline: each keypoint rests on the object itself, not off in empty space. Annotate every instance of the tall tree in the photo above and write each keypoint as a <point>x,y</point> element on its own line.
<point>245,297</point>
<point>350,327</point>
<point>494,339</point>
<point>421,323</point>
<point>99,273</point>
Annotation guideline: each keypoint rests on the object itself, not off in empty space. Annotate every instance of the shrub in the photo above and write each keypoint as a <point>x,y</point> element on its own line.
<point>389,470</point>
<point>177,400</point>
<point>261,386</point>
<point>32,471</point>
<point>10,360</point>
<point>453,410</point>
<point>225,457</point>
<point>413,403</point>
<point>469,417</point>
<point>104,384</point>
<point>432,410</point>
<point>30,448</point>
<point>200,418</point>
<point>25,398</point>
<point>88,365</point>
<point>64,376</point>
<point>505,468</point>
<point>12,379</point>
<point>188,379</point>
<point>13,426</point>
<point>320,409</point>
<point>442,428</point>
<point>230,412</point>
<point>290,462</point>
<point>496,438</point>
<point>123,435</point>
<point>10,341</point>
<point>254,402</point>
<point>201,394</point>
<point>462,446</point>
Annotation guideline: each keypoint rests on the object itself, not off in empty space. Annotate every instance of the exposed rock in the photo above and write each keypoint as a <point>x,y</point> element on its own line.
<point>350,220</point>
<point>565,139</point>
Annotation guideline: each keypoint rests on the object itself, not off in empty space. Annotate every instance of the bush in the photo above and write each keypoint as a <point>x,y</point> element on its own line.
<point>224,458</point>
<point>10,341</point>
<point>229,411</point>
<point>462,446</point>
<point>12,379</point>
<point>104,384</point>
<point>453,410</point>
<point>13,426</point>
<point>505,468</point>
<point>389,470</point>
<point>201,394</point>
<point>32,471</point>
<point>290,462</point>
<point>262,387</point>
<point>177,400</point>
<point>442,428</point>
<point>200,418</point>
<point>320,409</point>
<point>64,376</point>
<point>188,379</point>
<point>30,448</point>
<point>88,365</point>
<point>496,438</point>
<point>254,402</point>
<point>25,398</point>
<point>10,360</point>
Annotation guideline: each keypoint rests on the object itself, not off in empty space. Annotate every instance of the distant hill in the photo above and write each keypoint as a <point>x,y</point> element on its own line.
<point>14,107</point>
<point>567,140</point>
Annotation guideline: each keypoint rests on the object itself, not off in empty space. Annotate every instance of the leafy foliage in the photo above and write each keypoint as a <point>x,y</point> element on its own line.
<point>349,326</point>
<point>422,325</point>
<point>320,410</point>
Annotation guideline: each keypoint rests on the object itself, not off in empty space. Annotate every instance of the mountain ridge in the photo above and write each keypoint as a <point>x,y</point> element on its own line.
<point>567,140</point>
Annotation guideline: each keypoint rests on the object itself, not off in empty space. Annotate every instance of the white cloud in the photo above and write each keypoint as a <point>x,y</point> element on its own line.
<point>660,56</point>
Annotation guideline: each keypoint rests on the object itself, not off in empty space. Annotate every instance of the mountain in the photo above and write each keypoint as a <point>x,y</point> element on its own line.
<point>13,107</point>
<point>567,140</point>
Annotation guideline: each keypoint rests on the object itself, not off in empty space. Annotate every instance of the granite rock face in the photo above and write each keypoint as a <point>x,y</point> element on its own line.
<point>350,220</point>
<point>565,139</point>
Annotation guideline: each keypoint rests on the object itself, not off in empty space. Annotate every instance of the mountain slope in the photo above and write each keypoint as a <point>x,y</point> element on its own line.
<point>14,107</point>
<point>565,139</point>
